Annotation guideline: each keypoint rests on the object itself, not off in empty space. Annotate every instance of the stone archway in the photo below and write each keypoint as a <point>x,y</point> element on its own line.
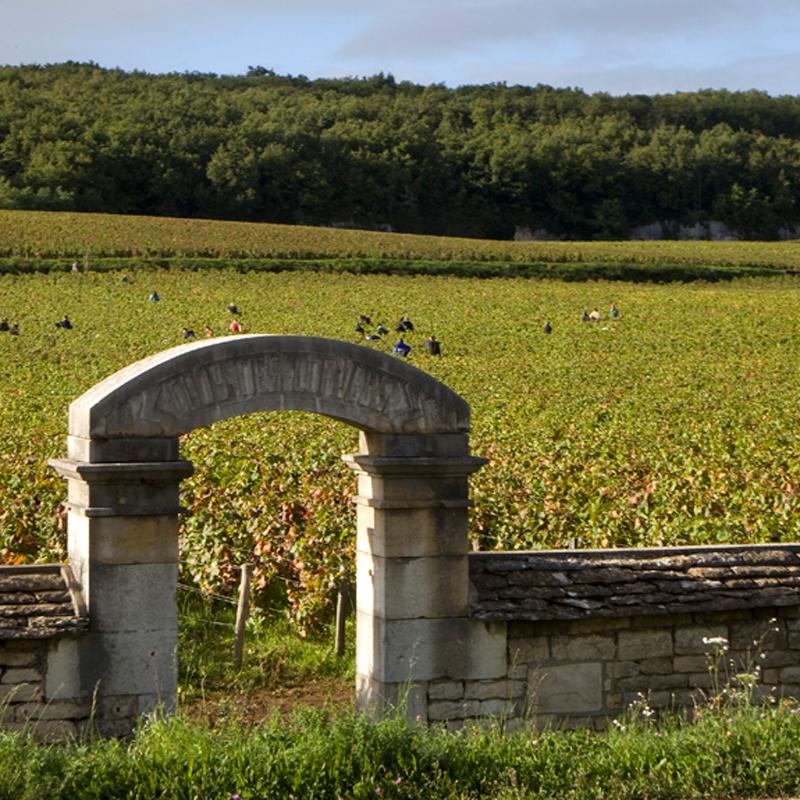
<point>123,470</point>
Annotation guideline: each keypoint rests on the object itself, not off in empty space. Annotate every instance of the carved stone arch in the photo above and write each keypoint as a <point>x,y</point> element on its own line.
<point>124,468</point>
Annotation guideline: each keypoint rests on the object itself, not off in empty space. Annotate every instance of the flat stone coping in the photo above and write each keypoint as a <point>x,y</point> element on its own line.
<point>39,601</point>
<point>579,584</point>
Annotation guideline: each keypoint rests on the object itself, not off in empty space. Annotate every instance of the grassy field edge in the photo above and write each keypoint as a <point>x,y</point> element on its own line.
<point>566,271</point>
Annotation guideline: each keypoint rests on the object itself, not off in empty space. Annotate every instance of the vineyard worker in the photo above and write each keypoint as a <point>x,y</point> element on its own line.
<point>401,349</point>
<point>208,332</point>
<point>232,308</point>
<point>65,324</point>
<point>4,324</point>
<point>613,311</point>
<point>433,346</point>
<point>585,317</point>
<point>188,333</point>
<point>359,328</point>
<point>14,329</point>
<point>381,330</point>
<point>154,298</point>
<point>407,323</point>
<point>235,326</point>
<point>548,328</point>
<point>594,316</point>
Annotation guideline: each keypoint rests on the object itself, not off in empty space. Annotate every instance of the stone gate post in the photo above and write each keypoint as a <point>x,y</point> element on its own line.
<point>122,530</point>
<point>412,571</point>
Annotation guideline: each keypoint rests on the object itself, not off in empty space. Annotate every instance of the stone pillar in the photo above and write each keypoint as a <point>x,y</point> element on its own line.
<point>412,571</point>
<point>122,530</point>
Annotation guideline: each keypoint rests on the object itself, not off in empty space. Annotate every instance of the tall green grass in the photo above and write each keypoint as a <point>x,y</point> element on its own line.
<point>736,752</point>
<point>274,655</point>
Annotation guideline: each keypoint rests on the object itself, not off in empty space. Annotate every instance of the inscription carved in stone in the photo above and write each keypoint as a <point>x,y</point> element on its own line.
<point>198,384</point>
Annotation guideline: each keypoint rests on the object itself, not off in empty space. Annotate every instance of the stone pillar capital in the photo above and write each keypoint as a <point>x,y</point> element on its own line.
<point>414,467</point>
<point>123,489</point>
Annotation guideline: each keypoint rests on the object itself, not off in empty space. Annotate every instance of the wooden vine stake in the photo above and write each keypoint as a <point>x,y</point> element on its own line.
<point>242,610</point>
<point>341,616</point>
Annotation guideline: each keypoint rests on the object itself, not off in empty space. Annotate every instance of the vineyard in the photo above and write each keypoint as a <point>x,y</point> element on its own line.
<point>674,424</point>
<point>26,236</point>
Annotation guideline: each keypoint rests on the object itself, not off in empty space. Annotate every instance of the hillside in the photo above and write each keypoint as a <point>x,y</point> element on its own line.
<point>474,161</point>
<point>42,241</point>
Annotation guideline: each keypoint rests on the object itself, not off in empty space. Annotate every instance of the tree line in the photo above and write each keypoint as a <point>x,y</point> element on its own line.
<point>371,152</point>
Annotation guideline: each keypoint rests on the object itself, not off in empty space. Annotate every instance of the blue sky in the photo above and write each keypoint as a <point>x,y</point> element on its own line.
<point>618,46</point>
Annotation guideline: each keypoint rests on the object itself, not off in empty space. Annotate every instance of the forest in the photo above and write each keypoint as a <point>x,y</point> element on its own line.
<point>377,153</point>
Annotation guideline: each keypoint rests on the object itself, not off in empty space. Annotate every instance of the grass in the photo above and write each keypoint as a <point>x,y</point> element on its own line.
<point>740,751</point>
<point>275,656</point>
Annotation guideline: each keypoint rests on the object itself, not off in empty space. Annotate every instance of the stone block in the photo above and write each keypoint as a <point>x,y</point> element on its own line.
<point>124,540</point>
<point>777,658</point>
<point>412,532</point>
<point>722,617</point>
<point>21,675</point>
<point>690,640</point>
<point>583,648</point>
<point>20,692</point>
<point>758,636</point>
<point>117,450</point>
<point>11,657</point>
<point>498,708</point>
<point>410,588</point>
<point>701,680</point>
<point>130,664</point>
<point>114,728</point>
<point>659,699</point>
<point>444,710</point>
<point>789,675</point>
<point>396,651</point>
<point>645,683</point>
<point>133,597</point>
<point>404,445</point>
<point>494,690</point>
<point>690,663</point>
<point>770,676</point>
<point>655,666</point>
<point>623,669</point>
<point>117,707</point>
<point>566,689</point>
<point>661,621</point>
<point>445,690</point>
<point>533,650</point>
<point>58,709</point>
<point>518,672</point>
<point>46,730</point>
<point>62,677</point>
<point>635,645</point>
<point>687,698</point>
<point>581,627</point>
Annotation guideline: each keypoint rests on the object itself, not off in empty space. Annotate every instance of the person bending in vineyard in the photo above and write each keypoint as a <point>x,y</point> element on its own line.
<point>402,348</point>
<point>433,346</point>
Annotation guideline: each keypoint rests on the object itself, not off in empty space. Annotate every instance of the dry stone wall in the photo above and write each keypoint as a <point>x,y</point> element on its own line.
<point>588,633</point>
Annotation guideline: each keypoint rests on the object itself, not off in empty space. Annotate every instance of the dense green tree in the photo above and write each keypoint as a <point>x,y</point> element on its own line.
<point>474,161</point>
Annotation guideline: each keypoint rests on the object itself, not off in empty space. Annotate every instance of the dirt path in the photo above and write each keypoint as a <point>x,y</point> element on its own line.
<point>254,707</point>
